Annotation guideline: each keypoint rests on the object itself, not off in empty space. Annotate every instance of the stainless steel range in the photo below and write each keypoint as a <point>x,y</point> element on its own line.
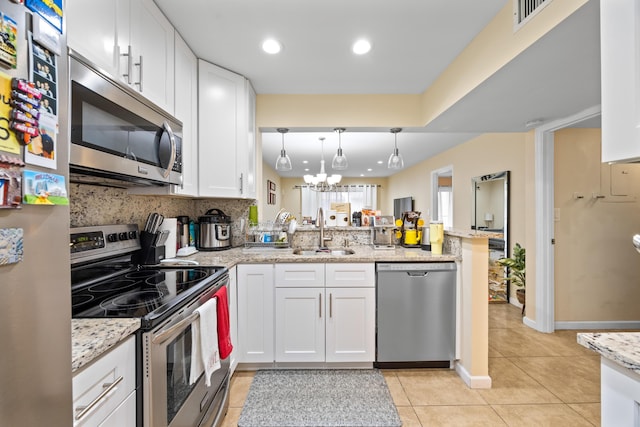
<point>107,283</point>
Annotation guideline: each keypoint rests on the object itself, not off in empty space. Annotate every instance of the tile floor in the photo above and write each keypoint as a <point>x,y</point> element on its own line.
<point>538,380</point>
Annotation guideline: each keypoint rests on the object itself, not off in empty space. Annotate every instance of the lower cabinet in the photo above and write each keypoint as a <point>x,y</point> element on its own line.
<point>104,391</point>
<point>255,313</point>
<point>317,323</point>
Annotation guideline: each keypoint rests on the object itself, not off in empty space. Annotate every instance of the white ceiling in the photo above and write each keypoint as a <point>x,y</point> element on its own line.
<point>413,42</point>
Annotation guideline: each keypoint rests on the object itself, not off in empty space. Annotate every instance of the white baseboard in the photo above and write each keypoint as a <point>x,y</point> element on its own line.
<point>477,381</point>
<point>604,324</point>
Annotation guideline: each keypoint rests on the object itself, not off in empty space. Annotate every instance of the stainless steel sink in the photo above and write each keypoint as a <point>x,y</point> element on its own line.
<point>318,251</point>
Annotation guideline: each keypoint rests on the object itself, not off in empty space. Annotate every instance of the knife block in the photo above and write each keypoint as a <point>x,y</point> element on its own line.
<point>149,254</point>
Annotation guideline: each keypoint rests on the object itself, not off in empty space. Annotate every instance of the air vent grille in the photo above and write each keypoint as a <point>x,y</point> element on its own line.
<point>524,9</point>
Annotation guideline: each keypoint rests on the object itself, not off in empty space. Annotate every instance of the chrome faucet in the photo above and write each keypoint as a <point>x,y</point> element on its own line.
<point>320,223</point>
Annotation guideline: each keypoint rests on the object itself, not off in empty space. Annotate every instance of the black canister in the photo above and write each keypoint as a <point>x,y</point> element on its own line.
<point>183,231</point>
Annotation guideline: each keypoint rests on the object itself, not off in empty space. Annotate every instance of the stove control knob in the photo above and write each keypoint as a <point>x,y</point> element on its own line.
<point>122,236</point>
<point>112,237</point>
<point>132,235</point>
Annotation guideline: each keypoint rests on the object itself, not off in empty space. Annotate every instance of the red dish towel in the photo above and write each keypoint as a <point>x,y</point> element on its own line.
<point>224,331</point>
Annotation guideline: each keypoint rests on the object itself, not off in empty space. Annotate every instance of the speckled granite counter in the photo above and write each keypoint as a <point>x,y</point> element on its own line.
<point>92,337</point>
<point>622,348</point>
<point>234,256</point>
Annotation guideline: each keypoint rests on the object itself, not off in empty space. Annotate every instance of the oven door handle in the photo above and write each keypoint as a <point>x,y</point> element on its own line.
<point>165,334</point>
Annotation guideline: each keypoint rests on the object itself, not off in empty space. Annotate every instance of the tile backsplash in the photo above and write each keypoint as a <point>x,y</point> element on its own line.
<point>97,205</point>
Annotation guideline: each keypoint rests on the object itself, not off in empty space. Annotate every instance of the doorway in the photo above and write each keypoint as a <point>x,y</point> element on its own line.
<point>442,196</point>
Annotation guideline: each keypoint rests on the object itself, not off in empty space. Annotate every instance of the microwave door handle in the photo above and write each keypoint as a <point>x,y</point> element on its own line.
<point>165,334</point>
<point>172,140</point>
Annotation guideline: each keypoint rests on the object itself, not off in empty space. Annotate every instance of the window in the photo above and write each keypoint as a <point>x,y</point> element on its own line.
<point>360,197</point>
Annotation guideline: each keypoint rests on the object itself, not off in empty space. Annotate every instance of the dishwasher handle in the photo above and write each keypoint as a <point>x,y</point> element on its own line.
<point>417,273</point>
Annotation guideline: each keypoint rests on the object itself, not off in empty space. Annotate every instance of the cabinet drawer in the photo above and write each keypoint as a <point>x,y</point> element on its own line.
<point>350,275</point>
<point>117,368</point>
<point>299,275</point>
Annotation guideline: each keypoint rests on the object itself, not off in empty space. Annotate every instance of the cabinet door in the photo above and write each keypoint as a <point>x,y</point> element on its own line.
<point>186,103</point>
<point>152,41</point>
<point>247,150</point>
<point>124,415</point>
<point>350,323</point>
<point>255,313</point>
<point>221,102</point>
<point>92,32</point>
<point>232,293</point>
<point>300,325</point>
<point>299,275</point>
<point>351,275</point>
<point>619,25</point>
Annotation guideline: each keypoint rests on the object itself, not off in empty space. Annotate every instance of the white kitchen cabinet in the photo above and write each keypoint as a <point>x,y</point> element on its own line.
<point>325,312</point>
<point>350,324</point>
<point>92,31</point>
<point>226,157</point>
<point>106,387</point>
<point>129,39</point>
<point>255,313</point>
<point>620,71</point>
<point>300,325</point>
<point>232,293</point>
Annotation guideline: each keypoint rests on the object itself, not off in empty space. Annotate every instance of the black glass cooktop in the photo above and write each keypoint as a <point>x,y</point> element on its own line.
<point>147,292</point>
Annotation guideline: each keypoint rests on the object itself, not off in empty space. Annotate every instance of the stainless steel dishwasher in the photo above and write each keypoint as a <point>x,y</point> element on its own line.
<point>416,314</point>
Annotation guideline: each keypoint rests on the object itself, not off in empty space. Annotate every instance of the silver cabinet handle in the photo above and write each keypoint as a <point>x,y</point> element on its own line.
<point>241,183</point>
<point>81,411</point>
<point>330,305</point>
<point>129,65</point>
<point>139,83</point>
<point>320,305</point>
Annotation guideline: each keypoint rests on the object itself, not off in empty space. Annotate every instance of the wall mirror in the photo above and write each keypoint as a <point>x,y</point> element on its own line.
<point>490,212</point>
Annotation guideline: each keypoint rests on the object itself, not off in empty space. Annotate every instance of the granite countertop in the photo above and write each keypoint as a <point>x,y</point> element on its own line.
<point>234,256</point>
<point>622,348</point>
<point>92,337</point>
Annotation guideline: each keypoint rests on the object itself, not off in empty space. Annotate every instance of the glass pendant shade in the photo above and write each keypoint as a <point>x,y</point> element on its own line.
<point>283,162</point>
<point>340,161</point>
<point>395,159</point>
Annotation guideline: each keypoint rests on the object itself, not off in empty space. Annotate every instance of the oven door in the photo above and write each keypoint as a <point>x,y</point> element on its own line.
<point>169,399</point>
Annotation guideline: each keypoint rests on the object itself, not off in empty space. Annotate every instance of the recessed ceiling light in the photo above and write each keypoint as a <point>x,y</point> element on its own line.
<point>380,162</point>
<point>369,170</point>
<point>361,47</point>
<point>271,46</point>
<point>306,169</point>
<point>305,161</point>
<point>361,174</point>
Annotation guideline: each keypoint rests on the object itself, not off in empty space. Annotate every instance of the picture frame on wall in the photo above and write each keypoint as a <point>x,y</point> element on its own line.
<point>271,186</point>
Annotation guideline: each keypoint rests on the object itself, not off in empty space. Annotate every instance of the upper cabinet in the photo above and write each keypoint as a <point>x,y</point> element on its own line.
<point>620,56</point>
<point>129,39</point>
<point>226,133</point>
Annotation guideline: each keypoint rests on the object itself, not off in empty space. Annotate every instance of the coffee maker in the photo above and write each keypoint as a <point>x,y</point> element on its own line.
<point>411,229</point>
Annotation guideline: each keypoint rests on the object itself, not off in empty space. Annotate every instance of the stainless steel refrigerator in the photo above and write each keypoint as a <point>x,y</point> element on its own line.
<point>35,302</point>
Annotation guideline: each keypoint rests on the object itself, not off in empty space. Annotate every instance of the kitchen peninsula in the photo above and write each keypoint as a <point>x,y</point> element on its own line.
<point>468,248</point>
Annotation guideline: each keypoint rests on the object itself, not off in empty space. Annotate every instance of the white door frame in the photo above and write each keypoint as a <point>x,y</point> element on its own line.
<point>544,210</point>
<point>434,189</point>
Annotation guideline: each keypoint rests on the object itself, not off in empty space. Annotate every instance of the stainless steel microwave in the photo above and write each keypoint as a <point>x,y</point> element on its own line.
<point>118,138</point>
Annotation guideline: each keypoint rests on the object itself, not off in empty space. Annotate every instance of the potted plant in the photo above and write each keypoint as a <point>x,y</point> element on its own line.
<point>516,273</point>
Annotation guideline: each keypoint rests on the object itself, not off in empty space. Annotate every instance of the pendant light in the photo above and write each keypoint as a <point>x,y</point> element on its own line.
<point>395,159</point>
<point>340,161</point>
<point>283,163</point>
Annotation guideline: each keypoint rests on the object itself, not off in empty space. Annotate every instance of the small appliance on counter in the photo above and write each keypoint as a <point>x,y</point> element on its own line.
<point>411,229</point>
<point>383,233</point>
<point>214,232</point>
<point>436,237</point>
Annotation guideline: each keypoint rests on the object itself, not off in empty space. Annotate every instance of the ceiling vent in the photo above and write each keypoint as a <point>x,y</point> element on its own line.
<point>524,10</point>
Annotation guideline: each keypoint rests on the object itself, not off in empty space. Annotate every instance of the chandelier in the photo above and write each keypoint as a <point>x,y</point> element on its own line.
<point>320,181</point>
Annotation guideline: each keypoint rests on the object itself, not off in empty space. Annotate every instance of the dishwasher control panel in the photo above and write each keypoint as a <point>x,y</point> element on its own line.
<point>416,266</point>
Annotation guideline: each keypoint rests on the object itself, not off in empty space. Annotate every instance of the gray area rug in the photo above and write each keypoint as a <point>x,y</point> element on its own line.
<point>319,398</point>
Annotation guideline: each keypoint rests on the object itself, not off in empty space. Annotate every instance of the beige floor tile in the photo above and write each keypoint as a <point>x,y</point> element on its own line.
<point>458,416</point>
<point>232,417</point>
<point>511,385</point>
<point>590,411</point>
<point>572,379</point>
<point>408,417</point>
<point>240,383</point>
<point>515,342</point>
<point>438,388</point>
<point>552,415</point>
<point>494,353</point>
<point>505,316</point>
<point>397,392</point>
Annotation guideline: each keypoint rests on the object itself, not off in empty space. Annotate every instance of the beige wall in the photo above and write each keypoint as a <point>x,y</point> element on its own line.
<point>597,271</point>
